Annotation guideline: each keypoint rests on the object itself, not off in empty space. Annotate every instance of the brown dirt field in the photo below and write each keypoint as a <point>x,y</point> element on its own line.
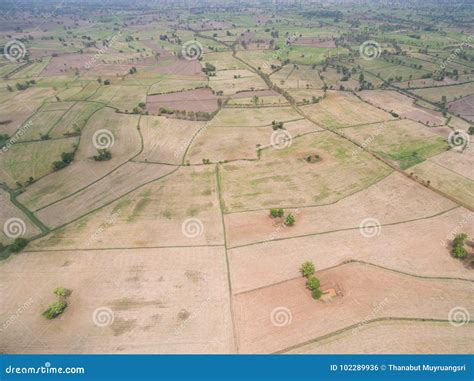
<point>165,140</point>
<point>7,211</point>
<point>180,67</point>
<point>234,143</point>
<point>253,116</point>
<point>463,107</point>
<point>448,181</point>
<point>395,337</point>
<point>67,63</point>
<point>190,100</point>
<point>146,290</point>
<point>113,186</point>
<point>460,163</point>
<point>302,77</point>
<point>328,111</point>
<point>83,170</point>
<point>283,177</point>
<point>271,262</point>
<point>225,81</point>
<point>15,112</point>
<point>259,93</point>
<point>402,105</point>
<point>316,42</point>
<point>395,198</point>
<point>155,213</point>
<point>368,293</point>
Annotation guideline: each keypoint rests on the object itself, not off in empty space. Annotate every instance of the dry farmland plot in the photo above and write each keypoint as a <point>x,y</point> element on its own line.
<point>391,246</point>
<point>362,287</point>
<point>463,107</point>
<point>299,77</point>
<point>105,190</point>
<point>283,177</point>
<point>35,159</point>
<point>165,140</point>
<point>155,213</point>
<point>191,100</point>
<point>41,123</point>
<point>328,111</point>
<point>446,180</point>
<point>459,163</point>
<point>395,337</point>
<point>8,212</point>
<point>450,92</point>
<point>75,118</point>
<point>14,112</point>
<point>168,85</point>
<point>402,105</point>
<point>394,199</point>
<point>223,61</point>
<point>121,97</point>
<point>253,117</point>
<point>403,142</point>
<point>84,170</point>
<point>234,143</point>
<point>145,292</point>
<point>233,81</point>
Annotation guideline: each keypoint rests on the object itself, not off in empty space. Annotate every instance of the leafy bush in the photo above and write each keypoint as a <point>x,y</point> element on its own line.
<point>62,291</point>
<point>458,246</point>
<point>290,220</point>
<point>276,212</point>
<point>316,294</point>
<point>307,269</point>
<point>55,309</point>
<point>313,283</point>
<point>103,155</point>
<point>19,244</point>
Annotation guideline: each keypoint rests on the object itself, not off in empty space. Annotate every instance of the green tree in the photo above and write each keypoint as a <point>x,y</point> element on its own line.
<point>18,244</point>
<point>316,294</point>
<point>276,212</point>
<point>62,291</point>
<point>313,283</point>
<point>307,269</point>
<point>55,309</point>
<point>290,220</point>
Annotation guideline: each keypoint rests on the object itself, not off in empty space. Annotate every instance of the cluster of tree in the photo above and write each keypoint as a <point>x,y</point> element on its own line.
<point>280,213</point>
<point>22,86</point>
<point>133,70</point>
<point>183,114</point>
<point>209,69</point>
<point>459,250</point>
<point>103,154</point>
<point>57,308</point>
<point>312,283</point>
<point>18,245</point>
<point>66,159</point>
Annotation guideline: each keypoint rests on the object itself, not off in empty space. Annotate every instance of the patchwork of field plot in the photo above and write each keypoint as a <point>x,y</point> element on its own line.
<point>145,180</point>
